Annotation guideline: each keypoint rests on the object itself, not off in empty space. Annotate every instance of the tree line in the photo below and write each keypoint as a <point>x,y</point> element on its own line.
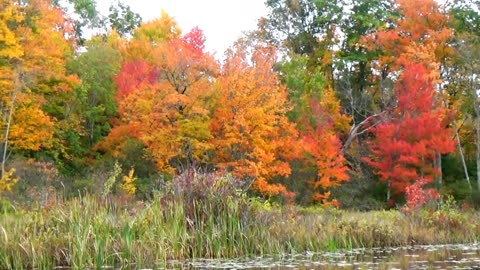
<point>335,102</point>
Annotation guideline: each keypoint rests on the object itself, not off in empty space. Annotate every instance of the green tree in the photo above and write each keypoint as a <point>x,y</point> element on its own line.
<point>122,19</point>
<point>96,68</point>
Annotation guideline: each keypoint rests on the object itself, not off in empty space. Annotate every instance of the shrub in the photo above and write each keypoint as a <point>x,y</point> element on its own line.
<point>417,197</point>
<point>206,195</point>
<point>8,180</point>
<point>128,184</point>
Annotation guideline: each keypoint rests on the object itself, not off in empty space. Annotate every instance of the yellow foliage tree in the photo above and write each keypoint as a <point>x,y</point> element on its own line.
<point>32,38</point>
<point>8,180</point>
<point>128,184</point>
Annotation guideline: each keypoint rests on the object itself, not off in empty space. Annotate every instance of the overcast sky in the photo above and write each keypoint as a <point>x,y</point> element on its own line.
<point>223,21</point>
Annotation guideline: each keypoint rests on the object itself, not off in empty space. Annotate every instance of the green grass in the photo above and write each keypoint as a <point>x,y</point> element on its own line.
<point>94,232</point>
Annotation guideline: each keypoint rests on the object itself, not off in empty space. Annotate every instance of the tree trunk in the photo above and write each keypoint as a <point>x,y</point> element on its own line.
<point>437,164</point>
<point>389,183</point>
<point>17,87</point>
<point>477,130</point>
<point>7,133</point>
<point>462,156</point>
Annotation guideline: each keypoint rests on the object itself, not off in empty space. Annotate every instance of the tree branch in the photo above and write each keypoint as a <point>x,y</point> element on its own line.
<point>354,131</point>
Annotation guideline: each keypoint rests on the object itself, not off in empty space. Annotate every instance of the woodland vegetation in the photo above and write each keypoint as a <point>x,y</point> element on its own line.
<point>356,104</point>
<point>323,104</point>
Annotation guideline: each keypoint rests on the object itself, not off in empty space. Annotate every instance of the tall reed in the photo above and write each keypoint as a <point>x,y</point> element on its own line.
<point>206,216</point>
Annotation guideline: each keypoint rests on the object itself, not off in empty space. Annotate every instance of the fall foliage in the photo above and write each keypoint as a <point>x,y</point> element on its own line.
<point>251,133</point>
<point>328,102</point>
<point>406,143</point>
<point>323,145</point>
<point>420,35</point>
<point>164,99</point>
<point>33,35</point>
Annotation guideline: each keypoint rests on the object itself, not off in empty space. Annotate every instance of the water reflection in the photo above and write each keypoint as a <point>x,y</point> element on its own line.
<point>412,257</point>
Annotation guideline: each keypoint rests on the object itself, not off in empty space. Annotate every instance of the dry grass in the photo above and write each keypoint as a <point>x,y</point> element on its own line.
<point>95,232</point>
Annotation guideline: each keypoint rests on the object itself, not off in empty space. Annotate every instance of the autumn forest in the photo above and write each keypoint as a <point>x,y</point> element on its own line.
<point>327,102</point>
<point>335,124</point>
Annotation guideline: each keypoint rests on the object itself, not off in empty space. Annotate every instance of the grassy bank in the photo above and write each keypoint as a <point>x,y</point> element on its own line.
<point>213,221</point>
<point>90,232</point>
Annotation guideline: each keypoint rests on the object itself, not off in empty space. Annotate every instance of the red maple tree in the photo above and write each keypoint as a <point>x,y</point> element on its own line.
<point>406,143</point>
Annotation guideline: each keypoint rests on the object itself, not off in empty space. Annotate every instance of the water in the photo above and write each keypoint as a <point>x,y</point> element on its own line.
<point>412,257</point>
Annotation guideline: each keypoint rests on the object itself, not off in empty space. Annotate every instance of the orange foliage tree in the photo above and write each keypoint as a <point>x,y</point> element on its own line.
<point>252,136</point>
<point>420,35</point>
<point>323,146</point>
<point>320,121</point>
<point>163,95</point>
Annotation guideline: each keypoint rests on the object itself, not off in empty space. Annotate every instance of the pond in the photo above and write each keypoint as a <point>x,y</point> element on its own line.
<point>411,257</point>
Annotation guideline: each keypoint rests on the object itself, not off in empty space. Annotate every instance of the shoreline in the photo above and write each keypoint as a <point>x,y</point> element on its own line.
<point>93,232</point>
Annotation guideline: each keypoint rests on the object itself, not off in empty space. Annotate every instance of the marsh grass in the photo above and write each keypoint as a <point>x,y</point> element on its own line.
<point>206,216</point>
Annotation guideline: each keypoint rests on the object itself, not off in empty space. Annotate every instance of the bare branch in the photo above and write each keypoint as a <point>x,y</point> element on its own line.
<point>354,131</point>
